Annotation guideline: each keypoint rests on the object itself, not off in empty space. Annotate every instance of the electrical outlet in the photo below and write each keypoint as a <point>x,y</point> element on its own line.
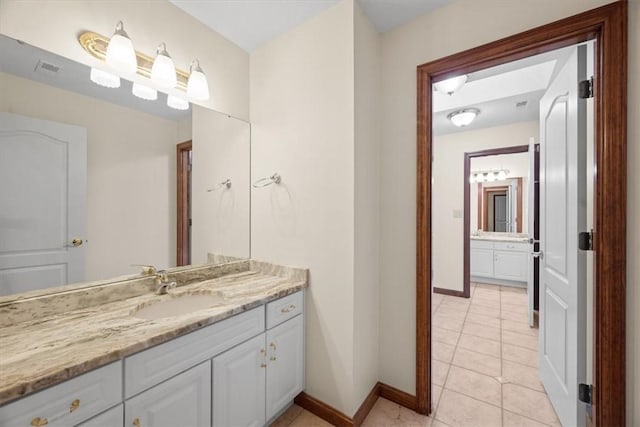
<point>457,213</point>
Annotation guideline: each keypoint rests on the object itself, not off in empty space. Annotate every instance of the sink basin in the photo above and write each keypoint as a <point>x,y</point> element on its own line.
<point>179,305</point>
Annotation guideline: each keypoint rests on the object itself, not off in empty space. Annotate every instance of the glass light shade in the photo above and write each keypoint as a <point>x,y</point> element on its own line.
<point>463,117</point>
<point>144,92</point>
<point>197,86</point>
<point>104,78</point>
<point>485,177</point>
<point>471,179</point>
<point>502,175</point>
<point>177,103</point>
<point>451,85</point>
<point>163,71</point>
<point>120,52</point>
<point>491,177</point>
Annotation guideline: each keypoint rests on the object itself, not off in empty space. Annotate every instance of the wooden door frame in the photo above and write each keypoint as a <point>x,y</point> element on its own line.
<point>182,206</point>
<point>607,25</point>
<point>466,244</point>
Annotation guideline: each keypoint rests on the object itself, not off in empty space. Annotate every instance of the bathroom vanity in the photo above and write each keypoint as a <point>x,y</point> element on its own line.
<point>97,359</point>
<point>499,259</point>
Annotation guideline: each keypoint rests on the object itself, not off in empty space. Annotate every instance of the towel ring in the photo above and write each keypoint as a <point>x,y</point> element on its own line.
<point>265,182</point>
<point>226,183</point>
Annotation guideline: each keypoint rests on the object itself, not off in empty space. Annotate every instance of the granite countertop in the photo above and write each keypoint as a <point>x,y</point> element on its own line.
<point>501,237</point>
<point>46,350</point>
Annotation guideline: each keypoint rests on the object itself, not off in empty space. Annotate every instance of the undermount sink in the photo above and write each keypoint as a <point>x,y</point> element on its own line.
<point>179,305</point>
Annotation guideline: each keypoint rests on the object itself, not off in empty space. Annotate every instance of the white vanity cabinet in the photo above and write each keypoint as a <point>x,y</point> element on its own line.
<point>114,417</point>
<point>499,262</point>
<point>254,381</point>
<point>184,400</point>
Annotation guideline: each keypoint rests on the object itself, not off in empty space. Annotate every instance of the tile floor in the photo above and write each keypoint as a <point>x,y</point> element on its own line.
<point>485,361</point>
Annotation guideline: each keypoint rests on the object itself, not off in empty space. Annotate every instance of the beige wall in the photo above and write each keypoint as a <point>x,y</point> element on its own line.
<point>453,28</point>
<point>302,115</point>
<point>55,25</point>
<point>448,192</point>
<point>367,207</point>
<point>131,178</point>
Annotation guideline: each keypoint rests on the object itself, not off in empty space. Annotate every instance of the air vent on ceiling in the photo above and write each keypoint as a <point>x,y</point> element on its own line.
<point>46,68</point>
<point>521,104</point>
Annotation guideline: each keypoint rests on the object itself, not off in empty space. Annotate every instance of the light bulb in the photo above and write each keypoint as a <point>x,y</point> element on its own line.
<point>197,87</point>
<point>502,175</point>
<point>144,92</point>
<point>104,78</point>
<point>177,103</point>
<point>163,71</point>
<point>120,52</point>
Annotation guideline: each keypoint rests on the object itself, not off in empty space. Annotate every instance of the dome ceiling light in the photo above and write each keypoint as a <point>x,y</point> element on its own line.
<point>464,117</point>
<point>451,85</point>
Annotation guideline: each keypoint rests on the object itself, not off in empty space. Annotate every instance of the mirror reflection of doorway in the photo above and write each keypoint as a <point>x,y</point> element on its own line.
<point>498,210</point>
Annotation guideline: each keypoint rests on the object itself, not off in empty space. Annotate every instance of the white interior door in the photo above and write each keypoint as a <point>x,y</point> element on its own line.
<point>43,174</point>
<point>530,227</point>
<point>562,216</point>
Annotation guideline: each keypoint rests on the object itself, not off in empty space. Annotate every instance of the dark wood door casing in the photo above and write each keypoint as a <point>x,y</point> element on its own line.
<point>607,25</point>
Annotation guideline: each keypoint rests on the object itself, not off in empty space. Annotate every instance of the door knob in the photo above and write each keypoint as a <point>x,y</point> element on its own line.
<point>76,242</point>
<point>532,240</point>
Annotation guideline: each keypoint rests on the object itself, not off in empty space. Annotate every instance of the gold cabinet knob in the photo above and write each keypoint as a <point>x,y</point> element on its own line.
<point>288,309</point>
<point>74,405</point>
<point>136,422</point>
<point>37,421</point>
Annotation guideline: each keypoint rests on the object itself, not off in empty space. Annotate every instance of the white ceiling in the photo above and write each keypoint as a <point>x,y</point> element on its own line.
<point>253,23</point>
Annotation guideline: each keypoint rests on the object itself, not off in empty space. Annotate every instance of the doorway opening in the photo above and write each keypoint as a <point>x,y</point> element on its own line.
<point>184,158</point>
<point>607,26</point>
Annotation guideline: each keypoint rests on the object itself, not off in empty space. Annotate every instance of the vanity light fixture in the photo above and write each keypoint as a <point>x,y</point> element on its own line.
<point>197,87</point>
<point>163,71</point>
<point>451,85</point>
<point>104,78</point>
<point>120,52</point>
<point>464,117</point>
<point>177,103</point>
<point>488,175</point>
<point>144,92</point>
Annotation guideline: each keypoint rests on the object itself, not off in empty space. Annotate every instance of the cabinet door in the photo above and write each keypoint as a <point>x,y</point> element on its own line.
<point>510,265</point>
<point>285,370</point>
<point>114,417</point>
<point>239,377</point>
<point>184,400</point>
<point>481,262</point>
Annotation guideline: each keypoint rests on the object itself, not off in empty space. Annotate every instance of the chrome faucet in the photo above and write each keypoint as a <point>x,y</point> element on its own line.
<point>162,282</point>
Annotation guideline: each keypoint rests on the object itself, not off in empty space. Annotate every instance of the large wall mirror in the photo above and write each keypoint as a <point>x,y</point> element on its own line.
<point>499,193</point>
<point>95,180</point>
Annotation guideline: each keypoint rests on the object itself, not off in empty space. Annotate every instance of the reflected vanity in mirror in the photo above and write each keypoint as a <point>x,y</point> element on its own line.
<point>90,181</point>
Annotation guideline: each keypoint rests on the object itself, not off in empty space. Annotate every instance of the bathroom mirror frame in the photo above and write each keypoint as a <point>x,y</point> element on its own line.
<point>607,25</point>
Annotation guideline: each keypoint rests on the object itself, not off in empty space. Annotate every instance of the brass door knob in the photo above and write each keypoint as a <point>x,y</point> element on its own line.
<point>136,422</point>
<point>76,242</point>
<point>37,421</point>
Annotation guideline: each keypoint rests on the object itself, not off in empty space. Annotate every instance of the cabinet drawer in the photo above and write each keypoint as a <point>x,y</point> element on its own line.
<point>481,244</point>
<point>68,403</point>
<point>284,308</point>
<point>511,246</point>
<point>148,368</point>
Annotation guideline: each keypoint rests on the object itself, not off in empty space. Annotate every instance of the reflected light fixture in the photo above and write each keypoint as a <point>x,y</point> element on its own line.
<point>451,85</point>
<point>197,87</point>
<point>502,175</point>
<point>104,78</point>
<point>464,117</point>
<point>144,92</point>
<point>177,103</point>
<point>163,71</point>
<point>120,52</point>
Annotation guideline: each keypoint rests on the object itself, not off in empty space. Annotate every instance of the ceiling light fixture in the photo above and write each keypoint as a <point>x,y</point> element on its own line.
<point>488,175</point>
<point>464,117</point>
<point>104,78</point>
<point>177,103</point>
<point>197,87</point>
<point>163,71</point>
<point>451,85</point>
<point>144,92</point>
<point>120,52</point>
